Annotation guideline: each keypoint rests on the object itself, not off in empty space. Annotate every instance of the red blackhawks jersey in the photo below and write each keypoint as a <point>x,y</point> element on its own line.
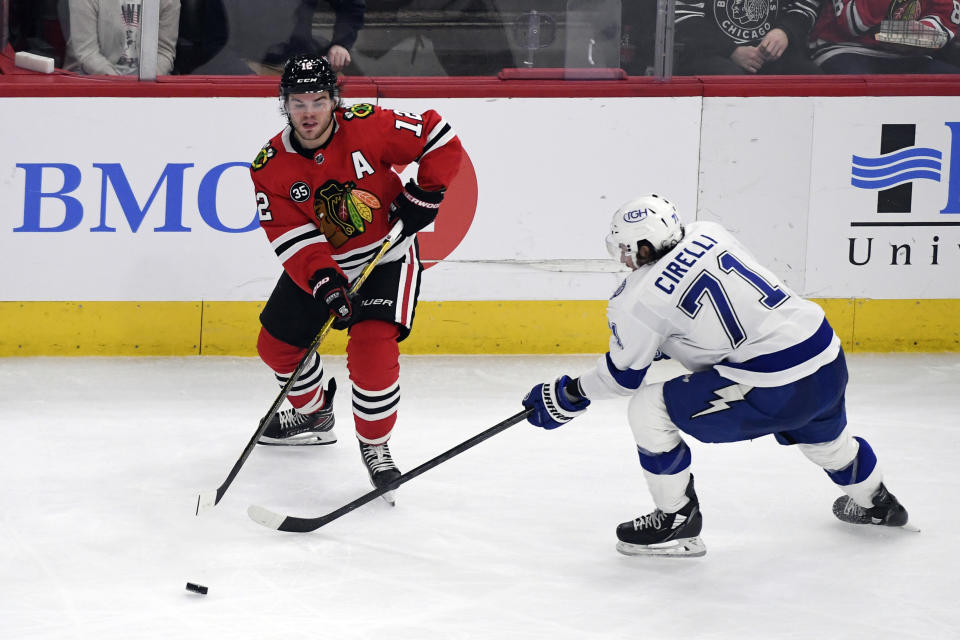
<point>330,211</point>
<point>849,26</point>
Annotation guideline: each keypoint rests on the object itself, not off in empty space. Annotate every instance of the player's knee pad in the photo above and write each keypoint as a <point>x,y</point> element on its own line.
<point>652,428</point>
<point>280,356</point>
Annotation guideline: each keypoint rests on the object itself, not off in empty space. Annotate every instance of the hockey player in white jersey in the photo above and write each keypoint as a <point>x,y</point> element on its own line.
<point>763,361</point>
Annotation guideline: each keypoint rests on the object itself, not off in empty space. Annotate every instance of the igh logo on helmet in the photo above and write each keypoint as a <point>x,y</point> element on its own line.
<point>635,216</point>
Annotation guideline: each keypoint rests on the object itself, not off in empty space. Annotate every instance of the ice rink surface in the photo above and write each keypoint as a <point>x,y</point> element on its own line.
<point>102,460</point>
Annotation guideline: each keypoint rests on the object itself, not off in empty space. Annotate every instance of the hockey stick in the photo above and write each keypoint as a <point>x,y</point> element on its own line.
<point>209,499</point>
<point>279,522</point>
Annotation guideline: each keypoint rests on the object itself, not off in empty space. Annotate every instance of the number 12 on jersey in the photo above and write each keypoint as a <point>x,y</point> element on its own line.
<point>708,285</point>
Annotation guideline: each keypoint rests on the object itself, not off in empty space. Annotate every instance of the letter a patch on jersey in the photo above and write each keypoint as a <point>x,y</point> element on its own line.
<point>361,166</point>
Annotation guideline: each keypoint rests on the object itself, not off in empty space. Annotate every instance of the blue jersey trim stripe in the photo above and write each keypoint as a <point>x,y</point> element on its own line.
<point>628,378</point>
<point>668,463</point>
<point>858,470</point>
<point>789,357</point>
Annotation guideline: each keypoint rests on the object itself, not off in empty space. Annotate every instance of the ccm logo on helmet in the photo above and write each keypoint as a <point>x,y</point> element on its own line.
<point>635,216</point>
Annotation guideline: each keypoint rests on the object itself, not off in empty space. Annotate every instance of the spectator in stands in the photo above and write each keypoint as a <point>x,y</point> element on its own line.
<point>104,36</point>
<point>466,37</point>
<point>34,28</point>
<point>638,36</point>
<point>204,34</point>
<point>348,22</point>
<point>733,37</point>
<point>880,36</point>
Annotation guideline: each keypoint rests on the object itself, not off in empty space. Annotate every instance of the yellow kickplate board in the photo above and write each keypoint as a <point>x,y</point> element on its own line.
<point>462,327</point>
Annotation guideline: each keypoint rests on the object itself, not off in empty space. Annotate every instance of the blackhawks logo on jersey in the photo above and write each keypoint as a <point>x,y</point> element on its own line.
<point>358,111</point>
<point>746,20</point>
<point>905,10</point>
<point>343,210</point>
<point>263,157</point>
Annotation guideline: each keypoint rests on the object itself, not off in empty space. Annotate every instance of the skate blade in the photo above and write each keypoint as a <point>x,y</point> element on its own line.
<point>388,496</point>
<point>909,526</point>
<point>680,548</point>
<point>323,437</point>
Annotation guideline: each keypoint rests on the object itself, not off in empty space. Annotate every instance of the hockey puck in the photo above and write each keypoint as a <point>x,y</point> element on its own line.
<point>197,588</point>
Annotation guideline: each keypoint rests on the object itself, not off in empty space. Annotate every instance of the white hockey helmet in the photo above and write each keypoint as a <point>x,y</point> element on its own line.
<point>646,220</point>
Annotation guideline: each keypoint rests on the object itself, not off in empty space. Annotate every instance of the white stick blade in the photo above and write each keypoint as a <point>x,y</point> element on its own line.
<point>267,518</point>
<point>206,500</point>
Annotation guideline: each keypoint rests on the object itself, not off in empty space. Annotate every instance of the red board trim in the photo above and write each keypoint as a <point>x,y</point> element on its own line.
<point>510,83</point>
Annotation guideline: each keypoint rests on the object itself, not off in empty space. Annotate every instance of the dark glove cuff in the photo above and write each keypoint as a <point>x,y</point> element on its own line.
<point>327,278</point>
<point>422,197</point>
<point>573,391</point>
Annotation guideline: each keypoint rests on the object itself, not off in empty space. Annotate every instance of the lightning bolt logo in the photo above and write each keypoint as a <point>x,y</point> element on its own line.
<point>725,396</point>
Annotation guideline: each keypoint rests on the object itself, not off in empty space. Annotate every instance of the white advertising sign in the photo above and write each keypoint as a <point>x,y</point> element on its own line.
<point>150,199</point>
<point>755,176</point>
<point>884,216</point>
<point>132,199</point>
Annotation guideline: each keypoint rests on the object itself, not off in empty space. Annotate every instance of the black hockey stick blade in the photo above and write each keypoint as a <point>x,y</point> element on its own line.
<point>209,499</point>
<point>280,522</point>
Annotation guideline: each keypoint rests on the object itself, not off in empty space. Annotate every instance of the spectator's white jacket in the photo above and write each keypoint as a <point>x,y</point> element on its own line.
<point>98,42</point>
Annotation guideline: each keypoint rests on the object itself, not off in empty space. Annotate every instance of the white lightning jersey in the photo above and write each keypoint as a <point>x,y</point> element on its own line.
<point>709,303</point>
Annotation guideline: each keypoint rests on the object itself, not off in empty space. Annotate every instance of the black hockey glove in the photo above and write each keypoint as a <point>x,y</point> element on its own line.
<point>330,288</point>
<point>416,207</point>
<point>555,403</point>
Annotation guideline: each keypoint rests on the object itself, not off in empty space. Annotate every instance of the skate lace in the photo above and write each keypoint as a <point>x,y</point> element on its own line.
<point>291,418</point>
<point>649,521</point>
<point>377,458</point>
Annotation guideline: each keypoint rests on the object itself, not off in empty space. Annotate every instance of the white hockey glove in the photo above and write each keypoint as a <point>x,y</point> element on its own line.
<point>555,403</point>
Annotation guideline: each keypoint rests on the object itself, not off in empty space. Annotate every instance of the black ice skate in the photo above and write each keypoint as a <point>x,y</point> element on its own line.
<point>292,428</point>
<point>383,472</point>
<point>886,510</point>
<point>665,534</point>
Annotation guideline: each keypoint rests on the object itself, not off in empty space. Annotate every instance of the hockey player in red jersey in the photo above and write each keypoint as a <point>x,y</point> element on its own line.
<point>327,196</point>
<point>847,36</point>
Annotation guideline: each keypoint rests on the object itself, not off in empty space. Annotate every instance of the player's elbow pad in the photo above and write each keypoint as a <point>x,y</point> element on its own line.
<point>622,382</point>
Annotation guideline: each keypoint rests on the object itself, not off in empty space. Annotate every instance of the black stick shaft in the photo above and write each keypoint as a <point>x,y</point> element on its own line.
<point>303,525</point>
<point>262,426</point>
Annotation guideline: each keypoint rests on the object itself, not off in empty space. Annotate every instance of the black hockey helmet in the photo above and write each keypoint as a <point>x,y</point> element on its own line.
<point>308,74</point>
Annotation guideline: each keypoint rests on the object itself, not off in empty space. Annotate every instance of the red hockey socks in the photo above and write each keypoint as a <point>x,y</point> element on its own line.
<point>373,360</point>
<point>306,394</point>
